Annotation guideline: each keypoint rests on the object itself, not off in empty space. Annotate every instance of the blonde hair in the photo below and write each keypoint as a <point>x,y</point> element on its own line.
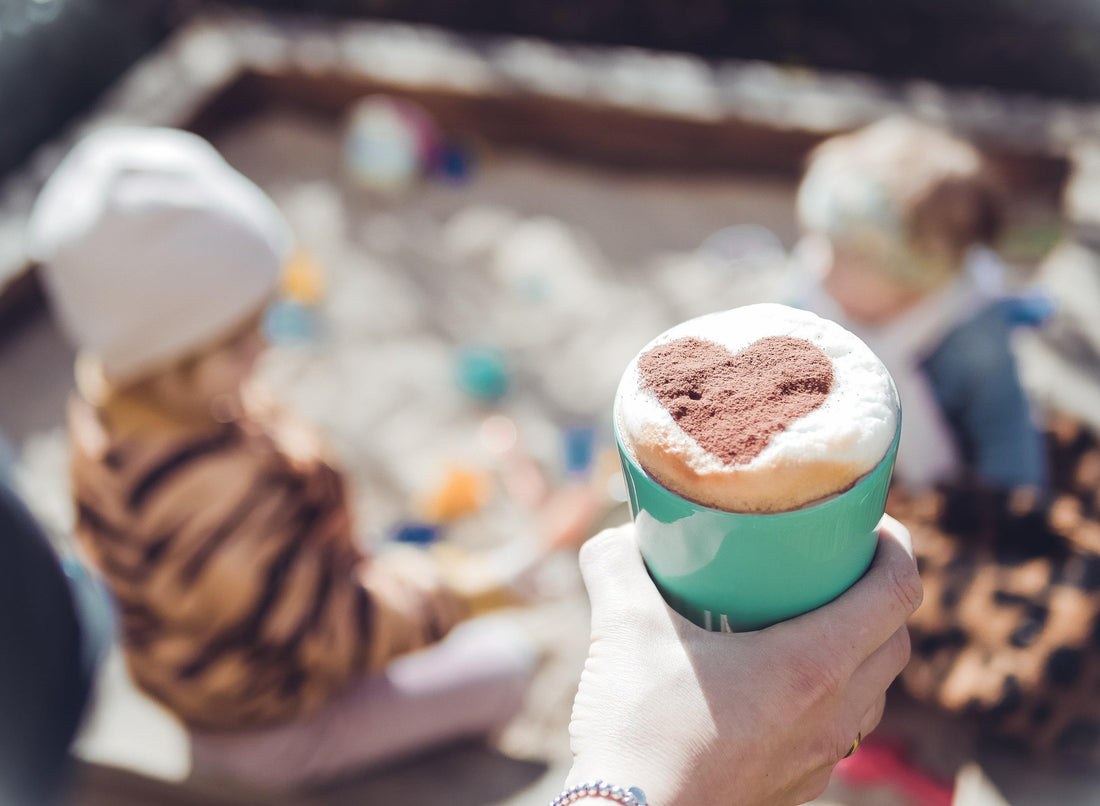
<point>912,196</point>
<point>167,395</point>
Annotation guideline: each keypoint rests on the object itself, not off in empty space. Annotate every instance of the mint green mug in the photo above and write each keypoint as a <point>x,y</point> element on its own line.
<point>731,572</point>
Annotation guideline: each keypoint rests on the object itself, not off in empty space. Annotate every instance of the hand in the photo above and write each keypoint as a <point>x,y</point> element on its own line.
<point>481,582</point>
<point>694,717</point>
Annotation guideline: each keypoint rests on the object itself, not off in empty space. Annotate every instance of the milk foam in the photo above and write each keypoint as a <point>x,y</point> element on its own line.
<point>835,444</point>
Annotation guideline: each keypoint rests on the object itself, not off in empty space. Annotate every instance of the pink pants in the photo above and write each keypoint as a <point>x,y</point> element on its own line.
<point>468,685</point>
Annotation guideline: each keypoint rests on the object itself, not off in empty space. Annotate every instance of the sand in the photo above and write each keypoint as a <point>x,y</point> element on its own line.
<point>568,270</point>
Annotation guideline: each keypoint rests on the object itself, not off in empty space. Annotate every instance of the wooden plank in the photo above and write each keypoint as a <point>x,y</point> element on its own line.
<point>613,106</point>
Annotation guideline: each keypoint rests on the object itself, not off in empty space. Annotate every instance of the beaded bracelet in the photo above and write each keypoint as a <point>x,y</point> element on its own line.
<point>628,797</point>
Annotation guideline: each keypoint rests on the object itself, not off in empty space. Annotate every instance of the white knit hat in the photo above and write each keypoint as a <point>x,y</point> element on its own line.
<point>152,246</point>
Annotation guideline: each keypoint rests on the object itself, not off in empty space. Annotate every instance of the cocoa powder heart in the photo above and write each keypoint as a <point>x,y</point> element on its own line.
<point>732,404</point>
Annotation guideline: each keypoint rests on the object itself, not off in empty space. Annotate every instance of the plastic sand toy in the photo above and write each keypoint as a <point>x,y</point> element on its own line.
<point>462,492</point>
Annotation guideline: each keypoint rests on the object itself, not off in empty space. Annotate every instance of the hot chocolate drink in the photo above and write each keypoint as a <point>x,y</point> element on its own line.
<point>758,409</point>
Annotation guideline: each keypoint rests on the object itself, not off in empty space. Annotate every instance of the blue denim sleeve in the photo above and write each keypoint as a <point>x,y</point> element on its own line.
<point>974,377</point>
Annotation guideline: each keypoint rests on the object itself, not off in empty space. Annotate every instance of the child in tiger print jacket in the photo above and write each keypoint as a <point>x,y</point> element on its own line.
<point>245,605</point>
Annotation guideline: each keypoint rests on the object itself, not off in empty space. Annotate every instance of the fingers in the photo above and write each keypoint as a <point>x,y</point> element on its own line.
<point>859,729</point>
<point>852,728</point>
<point>616,576</point>
<point>871,679</point>
<point>857,623</point>
<point>847,733</point>
<point>871,717</point>
<point>865,696</point>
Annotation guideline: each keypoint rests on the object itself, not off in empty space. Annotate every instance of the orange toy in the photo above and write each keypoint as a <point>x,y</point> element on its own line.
<point>462,492</point>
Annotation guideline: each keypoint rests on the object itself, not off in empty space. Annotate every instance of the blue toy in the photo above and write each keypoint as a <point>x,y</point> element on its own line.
<point>482,373</point>
<point>416,533</point>
<point>579,444</point>
<point>289,322</point>
<point>454,162</point>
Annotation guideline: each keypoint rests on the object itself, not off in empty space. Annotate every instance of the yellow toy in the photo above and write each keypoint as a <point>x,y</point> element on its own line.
<point>304,279</point>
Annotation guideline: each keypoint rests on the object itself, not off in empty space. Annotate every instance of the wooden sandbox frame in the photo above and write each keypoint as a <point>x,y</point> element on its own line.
<point>618,107</point>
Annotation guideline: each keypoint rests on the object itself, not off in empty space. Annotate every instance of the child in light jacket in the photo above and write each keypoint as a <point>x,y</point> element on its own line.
<point>899,217</point>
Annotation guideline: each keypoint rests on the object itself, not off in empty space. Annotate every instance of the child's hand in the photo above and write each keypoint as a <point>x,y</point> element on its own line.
<point>475,578</point>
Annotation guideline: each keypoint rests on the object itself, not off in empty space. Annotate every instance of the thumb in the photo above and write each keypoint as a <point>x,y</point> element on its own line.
<point>616,577</point>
